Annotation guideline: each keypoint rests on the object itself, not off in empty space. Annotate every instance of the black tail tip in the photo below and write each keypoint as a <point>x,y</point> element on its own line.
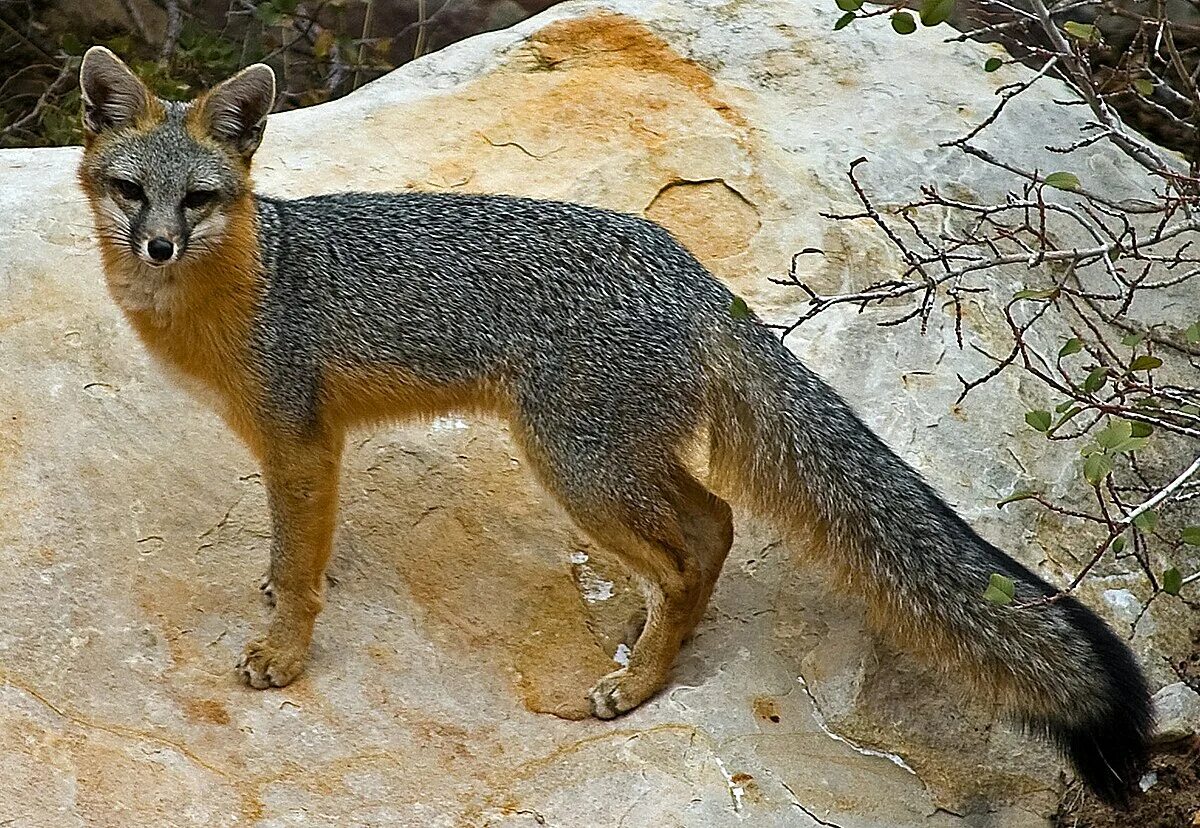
<point>1110,747</point>
<point>1110,756</point>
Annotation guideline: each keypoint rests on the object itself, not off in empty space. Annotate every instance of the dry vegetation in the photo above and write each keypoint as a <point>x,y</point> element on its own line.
<point>320,49</point>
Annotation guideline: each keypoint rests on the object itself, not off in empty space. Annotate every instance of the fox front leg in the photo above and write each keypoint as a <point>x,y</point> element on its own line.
<point>302,478</point>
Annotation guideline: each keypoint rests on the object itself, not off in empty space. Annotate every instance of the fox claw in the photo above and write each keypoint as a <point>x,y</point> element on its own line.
<point>263,665</point>
<point>609,698</point>
<point>267,587</point>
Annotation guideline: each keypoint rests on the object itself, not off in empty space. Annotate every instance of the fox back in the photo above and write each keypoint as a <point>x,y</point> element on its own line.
<point>490,298</point>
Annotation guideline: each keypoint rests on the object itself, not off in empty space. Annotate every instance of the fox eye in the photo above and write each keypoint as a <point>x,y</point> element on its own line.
<point>129,189</point>
<point>199,198</point>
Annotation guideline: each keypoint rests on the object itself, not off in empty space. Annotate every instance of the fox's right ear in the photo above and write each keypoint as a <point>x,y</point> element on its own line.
<point>113,97</point>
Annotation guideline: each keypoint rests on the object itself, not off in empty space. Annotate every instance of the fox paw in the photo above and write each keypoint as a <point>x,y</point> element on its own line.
<point>265,665</point>
<point>619,692</point>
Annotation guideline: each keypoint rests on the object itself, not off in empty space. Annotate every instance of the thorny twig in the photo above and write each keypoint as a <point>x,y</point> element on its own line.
<point>66,74</point>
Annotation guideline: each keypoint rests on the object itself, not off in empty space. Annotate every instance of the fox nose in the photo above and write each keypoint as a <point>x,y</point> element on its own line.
<point>160,249</point>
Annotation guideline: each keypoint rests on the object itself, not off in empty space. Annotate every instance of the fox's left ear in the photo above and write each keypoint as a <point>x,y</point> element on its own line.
<point>235,111</point>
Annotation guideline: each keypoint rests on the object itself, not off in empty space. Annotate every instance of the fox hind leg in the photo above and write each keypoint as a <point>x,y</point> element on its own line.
<point>707,524</point>
<point>667,529</point>
<point>676,565</point>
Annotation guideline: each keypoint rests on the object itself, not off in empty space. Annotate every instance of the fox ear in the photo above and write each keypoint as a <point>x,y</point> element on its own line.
<point>235,111</point>
<point>113,97</point>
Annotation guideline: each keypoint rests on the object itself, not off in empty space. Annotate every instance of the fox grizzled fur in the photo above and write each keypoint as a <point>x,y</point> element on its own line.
<point>611,352</point>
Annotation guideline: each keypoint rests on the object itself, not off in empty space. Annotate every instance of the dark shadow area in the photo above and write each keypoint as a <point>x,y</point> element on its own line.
<point>319,49</point>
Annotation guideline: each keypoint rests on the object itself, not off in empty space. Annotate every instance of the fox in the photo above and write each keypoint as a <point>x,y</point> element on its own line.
<point>613,355</point>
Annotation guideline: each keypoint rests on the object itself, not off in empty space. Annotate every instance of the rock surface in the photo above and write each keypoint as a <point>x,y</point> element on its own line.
<point>465,611</point>
<point>1177,711</point>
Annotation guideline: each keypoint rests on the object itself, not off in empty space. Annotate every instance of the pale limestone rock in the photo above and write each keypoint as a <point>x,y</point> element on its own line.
<point>133,527</point>
<point>1177,711</point>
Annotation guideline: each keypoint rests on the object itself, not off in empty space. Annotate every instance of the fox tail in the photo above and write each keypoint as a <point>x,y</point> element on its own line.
<point>804,460</point>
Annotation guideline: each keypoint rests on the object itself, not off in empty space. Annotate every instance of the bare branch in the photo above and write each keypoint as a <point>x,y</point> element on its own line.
<point>1086,257</point>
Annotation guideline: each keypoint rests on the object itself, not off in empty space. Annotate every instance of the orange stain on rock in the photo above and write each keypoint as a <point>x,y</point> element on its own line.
<point>208,711</point>
<point>618,42</point>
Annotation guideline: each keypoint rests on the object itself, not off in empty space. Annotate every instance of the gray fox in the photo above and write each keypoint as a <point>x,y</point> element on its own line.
<point>611,352</point>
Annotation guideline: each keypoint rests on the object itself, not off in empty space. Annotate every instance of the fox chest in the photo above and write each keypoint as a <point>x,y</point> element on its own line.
<point>211,361</point>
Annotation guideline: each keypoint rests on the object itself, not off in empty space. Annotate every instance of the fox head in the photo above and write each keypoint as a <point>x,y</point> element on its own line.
<point>164,178</point>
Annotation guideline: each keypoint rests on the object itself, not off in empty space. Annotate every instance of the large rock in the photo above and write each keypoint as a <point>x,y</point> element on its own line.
<point>1177,711</point>
<point>466,612</point>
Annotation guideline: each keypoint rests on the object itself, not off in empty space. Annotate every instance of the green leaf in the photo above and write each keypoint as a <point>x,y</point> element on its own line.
<point>1062,406</point>
<point>1063,181</point>
<point>1095,380</point>
<point>1145,363</point>
<point>992,64</point>
<point>738,308</point>
<point>1020,494</point>
<point>1146,521</point>
<point>903,23</point>
<point>1067,415</point>
<point>849,5</point>
<point>844,21</point>
<point>1191,535</point>
<point>1129,445</point>
<point>1084,31</point>
<point>1141,429</point>
<point>1118,545</point>
<point>1050,293</point>
<point>1193,333</point>
<point>1115,433</point>
<point>1039,420</point>
<point>1096,468</point>
<point>934,12</point>
<point>1172,581</point>
<point>1144,87</point>
<point>1132,339</point>
<point>1074,345</point>
<point>999,590</point>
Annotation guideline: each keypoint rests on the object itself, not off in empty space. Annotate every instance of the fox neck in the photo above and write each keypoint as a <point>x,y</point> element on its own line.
<point>195,315</point>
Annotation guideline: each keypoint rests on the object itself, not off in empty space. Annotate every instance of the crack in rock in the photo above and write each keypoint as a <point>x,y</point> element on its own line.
<point>819,718</point>
<point>806,811</point>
